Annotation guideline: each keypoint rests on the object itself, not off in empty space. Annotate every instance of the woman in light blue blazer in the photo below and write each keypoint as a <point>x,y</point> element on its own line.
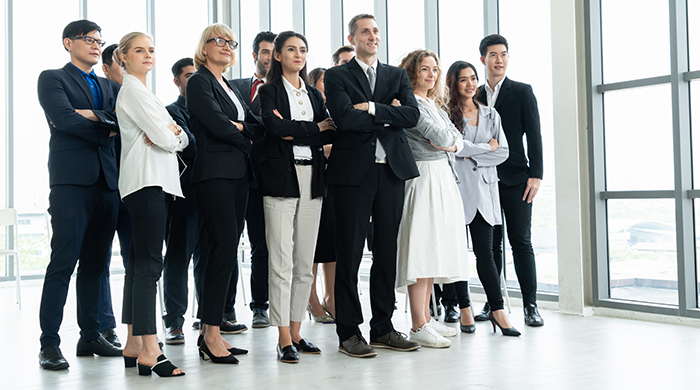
<point>485,147</point>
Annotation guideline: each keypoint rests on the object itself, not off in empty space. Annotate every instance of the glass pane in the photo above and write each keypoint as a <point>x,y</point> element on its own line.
<point>356,7</point>
<point>526,25</point>
<point>174,41</point>
<point>3,118</point>
<point>694,34</point>
<point>639,139</point>
<point>695,129</point>
<point>696,210</point>
<point>635,40</point>
<point>117,21</point>
<point>642,250</point>
<point>462,44</point>
<point>250,26</point>
<point>318,25</point>
<point>281,15</point>
<point>32,132</point>
<point>402,37</point>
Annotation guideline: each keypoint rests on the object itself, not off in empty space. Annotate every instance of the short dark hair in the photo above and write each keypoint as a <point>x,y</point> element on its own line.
<point>341,50</point>
<point>490,40</point>
<point>107,54</point>
<point>181,63</point>
<point>315,75</point>
<point>78,28</point>
<point>352,25</point>
<point>263,36</point>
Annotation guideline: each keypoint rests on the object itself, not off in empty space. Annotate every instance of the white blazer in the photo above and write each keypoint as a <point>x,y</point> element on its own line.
<point>476,167</point>
<point>141,113</point>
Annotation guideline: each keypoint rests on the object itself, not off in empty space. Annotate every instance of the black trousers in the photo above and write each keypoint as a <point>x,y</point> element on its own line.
<point>181,235</point>
<point>447,296</point>
<point>255,219</point>
<point>222,204</point>
<point>518,221</point>
<point>382,197</point>
<point>106,316</point>
<point>482,239</point>
<point>83,219</point>
<point>149,213</point>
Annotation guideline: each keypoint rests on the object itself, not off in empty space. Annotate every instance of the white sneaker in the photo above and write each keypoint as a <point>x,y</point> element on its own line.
<point>444,331</point>
<point>428,337</point>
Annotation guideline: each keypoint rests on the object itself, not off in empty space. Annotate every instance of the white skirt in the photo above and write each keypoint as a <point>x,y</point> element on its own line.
<point>432,239</point>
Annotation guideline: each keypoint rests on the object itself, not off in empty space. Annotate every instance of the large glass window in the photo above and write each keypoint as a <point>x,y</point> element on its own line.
<point>281,15</point>
<point>117,19</point>
<point>635,40</point>
<point>356,7</point>
<point>318,25</point>
<point>31,130</point>
<point>526,26</point>
<point>694,33</point>
<point>461,29</point>
<point>250,26</point>
<point>402,36</point>
<point>3,145</point>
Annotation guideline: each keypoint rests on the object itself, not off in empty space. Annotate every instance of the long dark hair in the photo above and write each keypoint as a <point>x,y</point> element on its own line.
<point>274,75</point>
<point>454,104</point>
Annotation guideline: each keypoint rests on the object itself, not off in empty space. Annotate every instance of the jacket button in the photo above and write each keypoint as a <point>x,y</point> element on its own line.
<point>374,143</point>
<point>473,169</point>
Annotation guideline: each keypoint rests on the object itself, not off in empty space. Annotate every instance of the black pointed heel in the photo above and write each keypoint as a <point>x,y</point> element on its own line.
<point>467,328</point>
<point>129,361</point>
<point>504,331</point>
<point>163,368</point>
<point>206,353</point>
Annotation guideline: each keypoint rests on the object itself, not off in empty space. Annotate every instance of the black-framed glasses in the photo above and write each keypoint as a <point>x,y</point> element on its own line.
<point>223,41</point>
<point>90,40</point>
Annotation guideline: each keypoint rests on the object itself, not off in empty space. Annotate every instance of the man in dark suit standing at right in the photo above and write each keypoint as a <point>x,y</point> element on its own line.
<point>371,104</point>
<point>263,45</point>
<point>520,174</point>
<point>83,202</point>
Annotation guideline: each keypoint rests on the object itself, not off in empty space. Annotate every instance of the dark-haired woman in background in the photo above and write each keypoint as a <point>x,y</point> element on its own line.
<point>485,147</point>
<point>292,185</point>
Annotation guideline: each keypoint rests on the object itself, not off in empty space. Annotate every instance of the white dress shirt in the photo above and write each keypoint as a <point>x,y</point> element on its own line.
<point>301,110</point>
<point>492,94</point>
<point>371,110</point>
<point>238,104</point>
<point>141,113</point>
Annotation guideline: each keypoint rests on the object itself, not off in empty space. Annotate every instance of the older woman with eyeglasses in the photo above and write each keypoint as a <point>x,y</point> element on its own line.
<point>224,128</point>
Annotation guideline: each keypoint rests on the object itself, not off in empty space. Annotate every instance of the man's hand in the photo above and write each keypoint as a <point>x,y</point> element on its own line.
<point>326,124</point>
<point>89,115</point>
<point>396,103</point>
<point>533,184</point>
<point>238,125</point>
<point>361,106</point>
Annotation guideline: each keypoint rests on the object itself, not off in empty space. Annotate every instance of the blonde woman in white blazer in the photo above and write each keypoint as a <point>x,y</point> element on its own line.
<point>485,147</point>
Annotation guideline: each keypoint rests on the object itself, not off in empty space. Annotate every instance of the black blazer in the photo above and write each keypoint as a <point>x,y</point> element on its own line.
<point>79,148</point>
<point>188,204</point>
<point>222,150</point>
<point>278,176</point>
<point>244,86</point>
<point>353,153</point>
<point>517,106</point>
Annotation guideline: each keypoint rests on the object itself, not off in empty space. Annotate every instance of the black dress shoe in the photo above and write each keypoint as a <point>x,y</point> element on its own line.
<point>111,336</point>
<point>306,346</point>
<point>532,315</point>
<point>98,346</point>
<point>356,346</point>
<point>432,313</point>
<point>51,358</point>
<point>467,328</point>
<point>228,327</point>
<point>174,336</point>
<point>261,319</point>
<point>451,314</point>
<point>484,315</point>
<point>395,340</point>
<point>288,354</point>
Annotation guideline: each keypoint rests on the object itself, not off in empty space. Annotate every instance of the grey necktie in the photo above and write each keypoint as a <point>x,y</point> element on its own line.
<point>379,153</point>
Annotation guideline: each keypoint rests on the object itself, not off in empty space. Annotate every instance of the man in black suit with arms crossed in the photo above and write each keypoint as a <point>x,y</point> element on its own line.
<point>520,174</point>
<point>83,201</point>
<point>370,103</point>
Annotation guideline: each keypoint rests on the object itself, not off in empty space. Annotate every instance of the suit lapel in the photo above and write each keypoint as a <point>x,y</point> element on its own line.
<point>283,100</point>
<point>361,77</point>
<point>107,98</point>
<point>80,80</point>
<point>503,93</point>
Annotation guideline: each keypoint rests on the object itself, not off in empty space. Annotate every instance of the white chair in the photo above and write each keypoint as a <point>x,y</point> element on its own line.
<point>8,217</point>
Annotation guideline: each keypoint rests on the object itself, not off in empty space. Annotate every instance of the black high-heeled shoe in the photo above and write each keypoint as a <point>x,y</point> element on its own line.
<point>129,361</point>
<point>467,328</point>
<point>163,367</point>
<point>206,354</point>
<point>504,331</point>
<point>234,351</point>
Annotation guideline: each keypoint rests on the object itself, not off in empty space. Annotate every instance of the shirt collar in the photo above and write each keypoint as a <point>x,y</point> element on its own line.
<point>497,88</point>
<point>290,88</point>
<point>92,72</point>
<point>365,66</point>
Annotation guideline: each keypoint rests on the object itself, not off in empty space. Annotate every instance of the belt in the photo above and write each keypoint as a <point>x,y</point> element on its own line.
<point>303,162</point>
<point>380,161</point>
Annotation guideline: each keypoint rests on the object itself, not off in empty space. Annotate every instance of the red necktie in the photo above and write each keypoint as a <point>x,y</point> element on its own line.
<point>255,88</point>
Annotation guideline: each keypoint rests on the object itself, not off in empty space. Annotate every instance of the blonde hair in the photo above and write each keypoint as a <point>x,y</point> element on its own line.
<point>412,63</point>
<point>125,45</point>
<point>213,30</point>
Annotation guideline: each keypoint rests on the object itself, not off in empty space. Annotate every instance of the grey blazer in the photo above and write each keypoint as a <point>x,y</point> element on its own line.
<point>476,167</point>
<point>436,127</point>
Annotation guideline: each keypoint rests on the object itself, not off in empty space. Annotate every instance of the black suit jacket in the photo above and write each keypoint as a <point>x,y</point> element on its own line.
<point>244,86</point>
<point>79,148</point>
<point>188,205</point>
<point>517,106</point>
<point>353,153</point>
<point>277,172</point>
<point>222,151</point>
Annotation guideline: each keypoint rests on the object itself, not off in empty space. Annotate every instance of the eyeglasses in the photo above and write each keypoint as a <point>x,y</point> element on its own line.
<point>90,40</point>
<point>222,41</point>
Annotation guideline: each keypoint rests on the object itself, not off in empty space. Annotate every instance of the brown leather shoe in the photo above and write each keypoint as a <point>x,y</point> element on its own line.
<point>356,346</point>
<point>396,341</point>
<point>174,335</point>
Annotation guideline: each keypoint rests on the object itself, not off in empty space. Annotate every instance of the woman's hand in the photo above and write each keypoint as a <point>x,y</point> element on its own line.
<point>494,144</point>
<point>175,128</point>
<point>147,140</point>
<point>277,113</point>
<point>452,149</point>
<point>326,124</point>
<point>361,106</point>
<point>396,103</point>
